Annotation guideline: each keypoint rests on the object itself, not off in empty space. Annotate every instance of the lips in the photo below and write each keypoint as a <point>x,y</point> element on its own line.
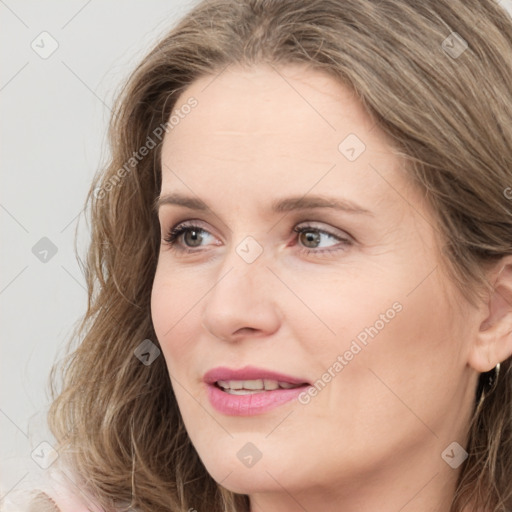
<point>249,391</point>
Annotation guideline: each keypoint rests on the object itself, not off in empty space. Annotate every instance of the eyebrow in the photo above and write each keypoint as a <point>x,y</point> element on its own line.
<point>279,205</point>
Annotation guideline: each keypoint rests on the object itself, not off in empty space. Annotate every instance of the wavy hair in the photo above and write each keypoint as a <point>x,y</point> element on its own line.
<point>447,110</point>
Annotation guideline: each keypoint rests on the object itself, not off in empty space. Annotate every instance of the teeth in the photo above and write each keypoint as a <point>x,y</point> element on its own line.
<point>245,387</point>
<point>270,384</point>
<point>232,384</point>
<point>253,384</point>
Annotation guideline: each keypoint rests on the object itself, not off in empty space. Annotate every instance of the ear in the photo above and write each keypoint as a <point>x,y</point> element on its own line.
<point>493,341</point>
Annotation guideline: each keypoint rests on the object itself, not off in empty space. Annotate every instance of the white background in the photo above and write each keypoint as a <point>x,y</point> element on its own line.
<point>53,114</point>
<point>53,118</point>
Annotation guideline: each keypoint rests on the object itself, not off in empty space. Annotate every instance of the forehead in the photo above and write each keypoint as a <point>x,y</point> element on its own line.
<point>265,128</point>
<point>251,104</point>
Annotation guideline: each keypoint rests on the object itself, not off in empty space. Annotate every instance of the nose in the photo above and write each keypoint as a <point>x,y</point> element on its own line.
<point>243,302</point>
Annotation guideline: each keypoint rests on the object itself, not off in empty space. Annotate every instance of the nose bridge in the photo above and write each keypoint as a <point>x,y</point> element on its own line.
<point>247,258</point>
<point>243,271</point>
<point>242,296</point>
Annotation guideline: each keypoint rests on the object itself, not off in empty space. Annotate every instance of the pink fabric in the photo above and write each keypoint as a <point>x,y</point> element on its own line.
<point>68,499</point>
<point>48,492</point>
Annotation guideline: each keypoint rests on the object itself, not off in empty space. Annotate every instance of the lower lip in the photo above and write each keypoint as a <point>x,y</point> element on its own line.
<point>249,405</point>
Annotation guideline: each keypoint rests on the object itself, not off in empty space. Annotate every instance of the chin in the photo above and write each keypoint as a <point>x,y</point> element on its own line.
<point>254,480</point>
<point>248,483</point>
<point>243,478</point>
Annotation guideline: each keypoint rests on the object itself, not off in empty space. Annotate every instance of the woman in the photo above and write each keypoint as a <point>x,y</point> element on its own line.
<point>300,274</point>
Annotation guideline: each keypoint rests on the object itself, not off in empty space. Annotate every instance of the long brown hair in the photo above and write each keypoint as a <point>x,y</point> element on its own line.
<point>444,99</point>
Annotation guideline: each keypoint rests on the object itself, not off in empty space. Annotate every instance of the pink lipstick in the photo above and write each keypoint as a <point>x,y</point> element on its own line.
<point>249,391</point>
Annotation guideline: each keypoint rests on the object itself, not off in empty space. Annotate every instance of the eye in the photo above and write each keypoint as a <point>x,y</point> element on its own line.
<point>311,238</point>
<point>191,234</point>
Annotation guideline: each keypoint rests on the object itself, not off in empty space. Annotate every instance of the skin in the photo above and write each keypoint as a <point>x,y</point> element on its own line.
<point>372,439</point>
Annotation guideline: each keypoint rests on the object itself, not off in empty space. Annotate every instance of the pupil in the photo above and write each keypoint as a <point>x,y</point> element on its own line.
<point>311,239</point>
<point>194,237</point>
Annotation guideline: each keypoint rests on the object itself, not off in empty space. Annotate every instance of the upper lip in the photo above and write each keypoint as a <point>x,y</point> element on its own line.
<point>248,373</point>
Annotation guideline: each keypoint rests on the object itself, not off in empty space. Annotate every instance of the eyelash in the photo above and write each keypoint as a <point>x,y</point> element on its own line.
<point>174,233</point>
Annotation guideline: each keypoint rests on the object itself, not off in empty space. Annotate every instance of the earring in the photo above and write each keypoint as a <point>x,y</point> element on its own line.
<point>488,383</point>
<point>492,381</point>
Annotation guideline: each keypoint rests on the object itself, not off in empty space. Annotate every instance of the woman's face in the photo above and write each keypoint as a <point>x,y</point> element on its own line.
<point>355,306</point>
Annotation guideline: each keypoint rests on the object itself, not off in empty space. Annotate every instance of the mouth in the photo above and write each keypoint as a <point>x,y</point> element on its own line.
<point>249,391</point>
<point>251,378</point>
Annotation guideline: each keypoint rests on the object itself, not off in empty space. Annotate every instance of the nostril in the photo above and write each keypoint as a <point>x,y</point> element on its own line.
<point>246,330</point>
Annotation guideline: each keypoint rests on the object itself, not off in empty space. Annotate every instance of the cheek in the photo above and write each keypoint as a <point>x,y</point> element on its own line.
<point>380,348</point>
<point>407,372</point>
<point>353,310</point>
<point>172,313</point>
